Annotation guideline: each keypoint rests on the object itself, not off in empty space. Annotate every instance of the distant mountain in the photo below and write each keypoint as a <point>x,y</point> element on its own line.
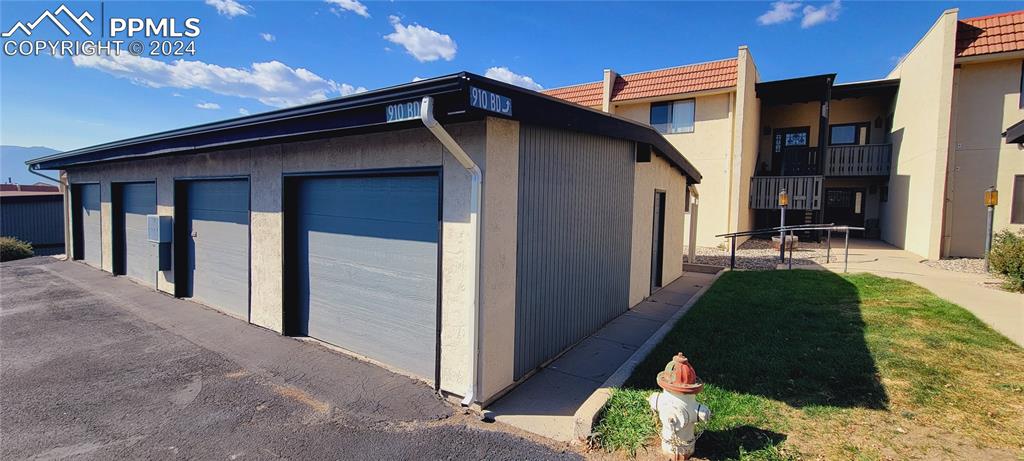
<point>12,163</point>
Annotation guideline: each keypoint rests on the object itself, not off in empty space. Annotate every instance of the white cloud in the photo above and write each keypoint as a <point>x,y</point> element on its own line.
<point>505,75</point>
<point>267,36</point>
<point>817,15</point>
<point>422,43</point>
<point>273,83</point>
<point>229,8</point>
<point>416,79</point>
<point>349,5</point>
<point>177,95</point>
<point>208,105</point>
<point>781,11</point>
<point>243,111</point>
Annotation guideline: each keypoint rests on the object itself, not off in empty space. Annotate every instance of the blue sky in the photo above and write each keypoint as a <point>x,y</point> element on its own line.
<point>327,49</point>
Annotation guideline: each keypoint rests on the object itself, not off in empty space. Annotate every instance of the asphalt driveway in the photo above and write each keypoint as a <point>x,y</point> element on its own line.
<point>99,367</point>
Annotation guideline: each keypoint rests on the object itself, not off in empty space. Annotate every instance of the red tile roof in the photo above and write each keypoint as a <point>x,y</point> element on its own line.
<point>656,83</point>
<point>587,94</point>
<point>998,33</point>
<point>676,80</point>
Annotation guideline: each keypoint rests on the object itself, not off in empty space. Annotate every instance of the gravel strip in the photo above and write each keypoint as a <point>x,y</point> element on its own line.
<point>967,265</point>
<point>758,254</point>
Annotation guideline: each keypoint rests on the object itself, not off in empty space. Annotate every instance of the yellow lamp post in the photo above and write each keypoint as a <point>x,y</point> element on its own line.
<point>991,200</point>
<point>783,203</point>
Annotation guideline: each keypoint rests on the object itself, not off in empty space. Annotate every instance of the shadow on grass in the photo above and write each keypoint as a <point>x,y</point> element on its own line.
<point>735,442</point>
<point>791,336</point>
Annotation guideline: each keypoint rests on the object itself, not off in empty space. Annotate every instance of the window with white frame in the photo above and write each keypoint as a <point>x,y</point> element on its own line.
<point>673,116</point>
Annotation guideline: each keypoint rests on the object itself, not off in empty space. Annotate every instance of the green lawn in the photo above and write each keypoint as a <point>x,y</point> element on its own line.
<point>811,364</point>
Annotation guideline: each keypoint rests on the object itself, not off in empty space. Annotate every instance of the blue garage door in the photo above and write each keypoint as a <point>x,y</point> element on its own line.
<point>367,266</point>
<point>89,225</point>
<point>218,251</point>
<point>137,201</point>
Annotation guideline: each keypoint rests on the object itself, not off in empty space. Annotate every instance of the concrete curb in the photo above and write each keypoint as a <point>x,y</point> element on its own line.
<point>583,419</point>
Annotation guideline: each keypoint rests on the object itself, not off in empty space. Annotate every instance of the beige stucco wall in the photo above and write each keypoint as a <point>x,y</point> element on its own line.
<point>657,174</point>
<point>912,218</point>
<point>745,142</point>
<point>708,148</point>
<point>987,102</point>
<point>400,149</point>
<point>500,224</point>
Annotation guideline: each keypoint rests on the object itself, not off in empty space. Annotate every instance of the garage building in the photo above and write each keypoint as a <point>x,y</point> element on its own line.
<point>458,229</point>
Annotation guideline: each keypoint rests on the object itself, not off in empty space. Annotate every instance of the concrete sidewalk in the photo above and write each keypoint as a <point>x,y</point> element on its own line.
<point>548,403</point>
<point>1001,310</point>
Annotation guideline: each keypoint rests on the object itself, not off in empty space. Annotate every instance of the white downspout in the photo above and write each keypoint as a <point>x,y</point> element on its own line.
<point>427,116</point>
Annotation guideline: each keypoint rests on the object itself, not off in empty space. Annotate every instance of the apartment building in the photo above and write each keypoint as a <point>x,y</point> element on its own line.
<point>907,156</point>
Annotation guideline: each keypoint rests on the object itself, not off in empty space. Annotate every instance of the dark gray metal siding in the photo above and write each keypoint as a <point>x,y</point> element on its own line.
<point>91,224</point>
<point>367,266</point>
<point>139,200</point>
<point>218,251</point>
<point>37,219</point>
<point>574,239</point>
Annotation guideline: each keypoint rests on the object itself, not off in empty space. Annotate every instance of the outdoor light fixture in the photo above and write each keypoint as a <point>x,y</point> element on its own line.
<point>991,196</point>
<point>991,200</point>
<point>783,203</point>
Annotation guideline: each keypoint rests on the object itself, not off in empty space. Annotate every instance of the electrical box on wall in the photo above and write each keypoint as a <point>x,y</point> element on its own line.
<point>160,229</point>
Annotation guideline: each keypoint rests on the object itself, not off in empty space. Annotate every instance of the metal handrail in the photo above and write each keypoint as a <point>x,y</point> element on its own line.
<point>798,227</point>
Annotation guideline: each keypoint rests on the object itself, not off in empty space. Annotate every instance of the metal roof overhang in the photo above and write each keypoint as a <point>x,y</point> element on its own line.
<point>887,88</point>
<point>795,90</point>
<point>365,113</point>
<point>1015,133</point>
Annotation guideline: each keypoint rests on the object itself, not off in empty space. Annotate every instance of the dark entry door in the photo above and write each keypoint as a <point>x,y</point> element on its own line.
<point>845,207</point>
<point>791,153</point>
<point>658,241</point>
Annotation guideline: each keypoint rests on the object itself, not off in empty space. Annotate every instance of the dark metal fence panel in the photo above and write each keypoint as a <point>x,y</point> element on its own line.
<point>37,219</point>
<point>574,239</point>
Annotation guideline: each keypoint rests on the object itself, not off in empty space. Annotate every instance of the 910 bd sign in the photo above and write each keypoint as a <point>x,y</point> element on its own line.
<point>403,111</point>
<point>486,100</point>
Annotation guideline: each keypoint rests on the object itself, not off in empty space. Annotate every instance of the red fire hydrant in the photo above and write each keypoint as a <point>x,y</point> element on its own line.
<point>677,407</point>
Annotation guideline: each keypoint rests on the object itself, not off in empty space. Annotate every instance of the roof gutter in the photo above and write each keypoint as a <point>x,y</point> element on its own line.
<point>427,116</point>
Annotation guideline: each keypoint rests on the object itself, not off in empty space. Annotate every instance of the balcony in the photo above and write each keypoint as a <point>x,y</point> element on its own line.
<point>804,192</point>
<point>859,160</point>
<point>852,160</point>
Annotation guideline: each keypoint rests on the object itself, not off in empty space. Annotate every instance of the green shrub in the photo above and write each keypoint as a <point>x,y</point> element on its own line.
<point>1007,258</point>
<point>12,248</point>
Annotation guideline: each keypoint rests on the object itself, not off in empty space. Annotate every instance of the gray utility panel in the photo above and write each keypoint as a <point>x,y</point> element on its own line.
<point>89,225</point>
<point>217,253</point>
<point>574,239</point>
<point>366,266</point>
<point>139,256</point>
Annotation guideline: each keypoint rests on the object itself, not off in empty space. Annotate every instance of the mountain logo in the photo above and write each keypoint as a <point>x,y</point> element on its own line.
<point>53,17</point>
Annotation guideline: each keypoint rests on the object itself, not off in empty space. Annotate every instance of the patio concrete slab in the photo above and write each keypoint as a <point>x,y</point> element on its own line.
<point>671,297</point>
<point>545,404</point>
<point>654,310</point>
<point>629,328</point>
<point>594,359</point>
<point>561,400</point>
